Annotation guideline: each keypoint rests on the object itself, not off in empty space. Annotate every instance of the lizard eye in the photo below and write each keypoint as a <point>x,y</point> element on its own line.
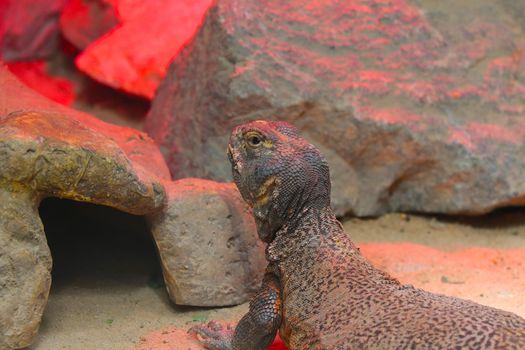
<point>254,140</point>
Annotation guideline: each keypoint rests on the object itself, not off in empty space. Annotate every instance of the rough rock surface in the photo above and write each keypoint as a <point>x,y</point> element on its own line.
<point>43,156</point>
<point>52,154</point>
<point>29,34</point>
<point>418,106</point>
<point>134,57</point>
<point>84,21</point>
<point>48,150</point>
<point>208,244</point>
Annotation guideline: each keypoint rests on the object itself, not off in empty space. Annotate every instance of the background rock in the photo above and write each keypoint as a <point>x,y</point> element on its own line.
<point>210,252</point>
<point>134,57</point>
<point>84,21</point>
<point>418,105</point>
<point>29,35</point>
<point>34,75</point>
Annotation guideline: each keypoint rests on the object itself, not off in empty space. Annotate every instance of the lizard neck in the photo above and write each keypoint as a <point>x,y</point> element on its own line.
<point>304,231</point>
<point>292,207</point>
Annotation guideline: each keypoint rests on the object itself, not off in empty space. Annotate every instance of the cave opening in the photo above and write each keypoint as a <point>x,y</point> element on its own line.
<point>95,246</point>
<point>106,275</point>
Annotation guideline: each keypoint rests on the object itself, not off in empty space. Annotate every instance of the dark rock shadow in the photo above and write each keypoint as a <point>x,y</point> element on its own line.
<point>500,218</point>
<point>99,247</point>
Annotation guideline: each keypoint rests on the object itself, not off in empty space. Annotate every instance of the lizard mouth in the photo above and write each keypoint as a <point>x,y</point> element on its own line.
<point>229,152</point>
<point>234,161</point>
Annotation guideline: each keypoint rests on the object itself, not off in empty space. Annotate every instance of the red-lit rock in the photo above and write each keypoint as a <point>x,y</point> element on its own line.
<point>34,75</point>
<point>417,108</point>
<point>29,28</point>
<point>137,146</point>
<point>134,57</point>
<point>84,21</point>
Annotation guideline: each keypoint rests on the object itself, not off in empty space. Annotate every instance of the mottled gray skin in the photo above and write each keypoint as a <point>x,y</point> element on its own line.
<point>319,291</point>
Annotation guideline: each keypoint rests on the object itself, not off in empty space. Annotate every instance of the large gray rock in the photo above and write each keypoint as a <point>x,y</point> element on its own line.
<point>418,106</point>
<point>208,244</point>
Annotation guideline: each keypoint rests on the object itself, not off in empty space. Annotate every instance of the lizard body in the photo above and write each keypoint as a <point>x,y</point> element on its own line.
<point>318,289</point>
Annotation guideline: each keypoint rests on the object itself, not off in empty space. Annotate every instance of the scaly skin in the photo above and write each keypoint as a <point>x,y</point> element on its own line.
<point>319,290</point>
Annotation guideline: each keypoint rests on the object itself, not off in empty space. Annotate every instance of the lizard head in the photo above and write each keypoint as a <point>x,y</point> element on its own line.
<point>278,173</point>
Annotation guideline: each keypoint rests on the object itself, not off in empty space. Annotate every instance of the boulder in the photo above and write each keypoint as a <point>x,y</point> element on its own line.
<point>418,106</point>
<point>134,56</point>
<point>84,21</point>
<point>206,238</point>
<point>43,154</point>
<point>46,155</point>
<point>209,248</point>
<point>29,29</point>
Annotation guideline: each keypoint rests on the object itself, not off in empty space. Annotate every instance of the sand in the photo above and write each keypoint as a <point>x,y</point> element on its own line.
<point>107,292</point>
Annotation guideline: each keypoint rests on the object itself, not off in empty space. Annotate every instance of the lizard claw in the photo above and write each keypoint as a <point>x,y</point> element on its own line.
<point>213,336</point>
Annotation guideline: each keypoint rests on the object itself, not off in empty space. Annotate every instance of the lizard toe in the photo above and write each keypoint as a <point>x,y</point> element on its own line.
<point>213,336</point>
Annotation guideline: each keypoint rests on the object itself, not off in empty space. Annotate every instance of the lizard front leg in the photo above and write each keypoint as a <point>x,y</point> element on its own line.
<point>257,329</point>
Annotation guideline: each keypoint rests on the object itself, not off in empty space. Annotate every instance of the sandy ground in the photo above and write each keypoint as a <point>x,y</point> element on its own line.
<point>107,292</point>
